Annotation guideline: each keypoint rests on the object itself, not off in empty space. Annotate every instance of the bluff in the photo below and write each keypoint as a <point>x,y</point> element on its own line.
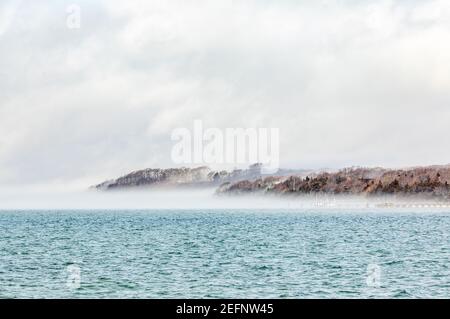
<point>174,177</point>
<point>429,182</point>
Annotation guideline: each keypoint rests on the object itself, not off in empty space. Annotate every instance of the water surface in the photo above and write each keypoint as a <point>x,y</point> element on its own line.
<point>224,254</point>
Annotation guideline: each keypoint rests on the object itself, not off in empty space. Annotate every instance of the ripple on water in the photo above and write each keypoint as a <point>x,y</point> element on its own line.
<point>223,254</point>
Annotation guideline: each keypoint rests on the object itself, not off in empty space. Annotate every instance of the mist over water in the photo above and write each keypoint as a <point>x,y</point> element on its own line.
<point>199,198</point>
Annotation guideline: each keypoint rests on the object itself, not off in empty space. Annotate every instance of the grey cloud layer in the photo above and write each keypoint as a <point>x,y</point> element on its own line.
<point>347,82</point>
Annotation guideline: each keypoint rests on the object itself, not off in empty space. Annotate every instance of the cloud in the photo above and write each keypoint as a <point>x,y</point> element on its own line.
<point>347,82</point>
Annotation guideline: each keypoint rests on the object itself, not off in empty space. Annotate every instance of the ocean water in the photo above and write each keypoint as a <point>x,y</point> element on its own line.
<point>224,254</point>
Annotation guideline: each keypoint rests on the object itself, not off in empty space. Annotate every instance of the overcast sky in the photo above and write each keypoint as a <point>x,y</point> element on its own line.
<point>347,82</point>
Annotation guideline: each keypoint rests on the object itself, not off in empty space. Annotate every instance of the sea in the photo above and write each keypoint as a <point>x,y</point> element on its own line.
<point>224,253</point>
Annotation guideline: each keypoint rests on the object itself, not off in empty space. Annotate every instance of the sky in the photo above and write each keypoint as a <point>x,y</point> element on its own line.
<point>346,82</point>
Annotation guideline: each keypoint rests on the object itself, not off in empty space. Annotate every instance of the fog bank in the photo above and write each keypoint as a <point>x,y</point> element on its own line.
<point>197,199</point>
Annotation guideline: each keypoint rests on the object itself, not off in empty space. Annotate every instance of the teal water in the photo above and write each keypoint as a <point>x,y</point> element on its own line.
<point>224,254</point>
